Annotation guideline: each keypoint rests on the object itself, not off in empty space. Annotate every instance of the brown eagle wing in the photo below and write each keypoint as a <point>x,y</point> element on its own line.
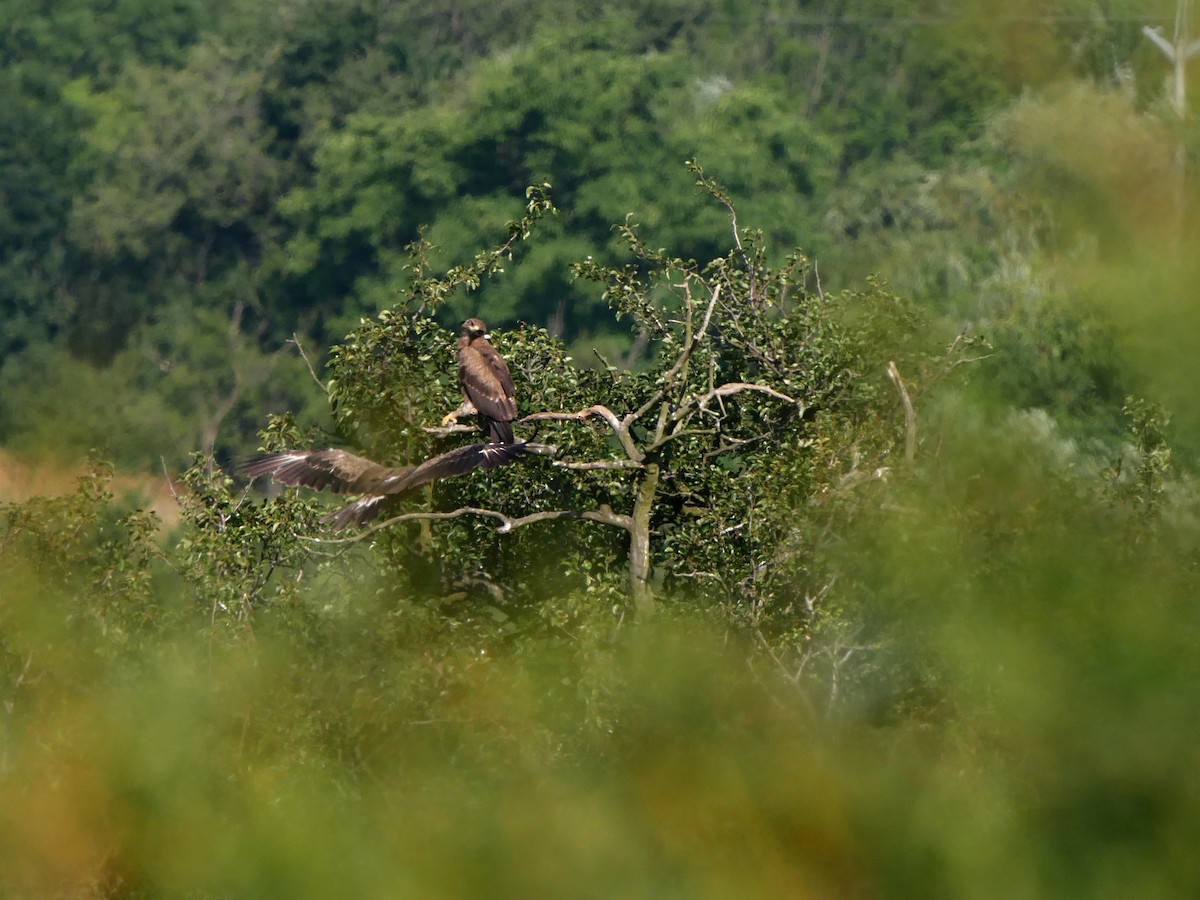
<point>461,461</point>
<point>346,473</point>
<point>341,472</point>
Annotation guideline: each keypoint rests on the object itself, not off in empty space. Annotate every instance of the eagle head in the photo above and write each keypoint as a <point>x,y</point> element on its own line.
<point>474,328</point>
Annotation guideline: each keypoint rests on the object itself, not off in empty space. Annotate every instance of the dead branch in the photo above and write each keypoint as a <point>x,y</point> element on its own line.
<point>541,449</point>
<point>167,476</point>
<point>672,374</point>
<point>910,415</point>
<point>599,464</point>
<point>766,645</point>
<point>304,356</point>
<point>619,428</point>
<point>681,433</point>
<point>694,340</point>
<point>444,430</point>
<point>726,390</point>
<point>603,514</point>
<point>730,444</point>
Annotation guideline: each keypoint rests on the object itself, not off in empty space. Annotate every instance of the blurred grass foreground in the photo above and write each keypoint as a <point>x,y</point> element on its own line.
<point>1014,714</point>
<point>970,669</point>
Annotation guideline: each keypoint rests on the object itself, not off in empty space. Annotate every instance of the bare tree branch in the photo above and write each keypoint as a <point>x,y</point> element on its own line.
<point>167,476</point>
<point>608,367</point>
<point>730,444</point>
<point>726,390</point>
<point>304,356</point>
<point>968,360</point>
<point>444,430</point>
<point>1155,34</point>
<point>541,449</point>
<point>683,432</point>
<point>603,514</point>
<point>910,415</point>
<point>784,670</point>
<point>600,464</point>
<point>672,374</point>
<point>619,428</point>
<point>695,339</point>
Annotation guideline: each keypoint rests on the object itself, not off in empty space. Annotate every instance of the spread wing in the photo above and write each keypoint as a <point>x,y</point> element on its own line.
<point>488,385</point>
<point>461,461</point>
<point>342,472</point>
<point>346,473</point>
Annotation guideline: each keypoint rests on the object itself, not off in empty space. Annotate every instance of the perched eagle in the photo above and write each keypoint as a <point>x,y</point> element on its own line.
<point>486,383</point>
<point>346,473</point>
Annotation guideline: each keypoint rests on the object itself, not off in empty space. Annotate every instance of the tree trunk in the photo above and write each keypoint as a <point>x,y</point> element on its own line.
<point>639,543</point>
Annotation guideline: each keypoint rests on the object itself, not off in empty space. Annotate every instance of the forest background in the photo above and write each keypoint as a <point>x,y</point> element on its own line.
<point>961,658</point>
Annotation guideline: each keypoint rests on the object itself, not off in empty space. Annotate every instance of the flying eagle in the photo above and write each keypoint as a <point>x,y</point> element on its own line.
<point>487,386</point>
<point>346,473</point>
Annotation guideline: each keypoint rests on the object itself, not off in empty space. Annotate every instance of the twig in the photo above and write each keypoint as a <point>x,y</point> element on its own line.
<point>766,645</point>
<point>681,433</point>
<point>910,415</point>
<point>730,444</point>
<point>684,355</point>
<point>167,475</point>
<point>304,356</point>
<point>696,338</point>
<point>726,390</point>
<point>968,360</point>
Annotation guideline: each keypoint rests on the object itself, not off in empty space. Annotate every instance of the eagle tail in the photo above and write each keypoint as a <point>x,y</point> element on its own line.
<point>500,432</point>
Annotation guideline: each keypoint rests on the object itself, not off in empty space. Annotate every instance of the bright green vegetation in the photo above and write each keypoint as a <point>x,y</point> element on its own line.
<point>991,695</point>
<point>871,571</point>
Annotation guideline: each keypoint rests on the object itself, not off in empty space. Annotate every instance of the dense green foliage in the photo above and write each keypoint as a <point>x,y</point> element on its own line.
<point>269,167</point>
<point>862,569</point>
